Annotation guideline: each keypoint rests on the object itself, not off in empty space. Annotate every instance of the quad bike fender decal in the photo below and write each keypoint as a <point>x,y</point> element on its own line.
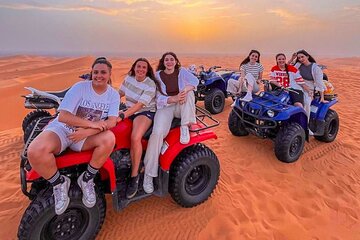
<point>175,147</point>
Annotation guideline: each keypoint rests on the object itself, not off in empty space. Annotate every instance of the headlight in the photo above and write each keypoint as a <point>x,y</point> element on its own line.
<point>270,113</point>
<point>243,104</point>
<point>261,94</point>
<point>202,81</point>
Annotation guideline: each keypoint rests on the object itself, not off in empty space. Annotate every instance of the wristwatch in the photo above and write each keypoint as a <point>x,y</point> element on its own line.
<point>122,116</point>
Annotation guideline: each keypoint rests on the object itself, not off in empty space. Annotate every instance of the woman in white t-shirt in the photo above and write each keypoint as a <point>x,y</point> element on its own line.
<point>251,72</point>
<point>87,112</point>
<point>139,89</point>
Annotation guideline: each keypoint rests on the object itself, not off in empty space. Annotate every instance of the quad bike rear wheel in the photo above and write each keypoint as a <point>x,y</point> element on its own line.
<point>236,125</point>
<point>289,142</point>
<point>34,115</point>
<point>214,101</point>
<point>77,222</point>
<point>331,127</point>
<point>194,175</point>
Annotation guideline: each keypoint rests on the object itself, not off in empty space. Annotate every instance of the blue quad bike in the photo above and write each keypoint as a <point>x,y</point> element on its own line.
<point>212,87</point>
<point>272,115</point>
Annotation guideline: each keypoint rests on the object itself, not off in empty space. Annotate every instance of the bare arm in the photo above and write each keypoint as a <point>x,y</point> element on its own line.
<point>75,121</point>
<point>82,133</point>
<point>259,78</point>
<point>133,109</point>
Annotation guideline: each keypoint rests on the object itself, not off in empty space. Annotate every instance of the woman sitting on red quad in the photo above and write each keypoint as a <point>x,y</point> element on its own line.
<point>139,88</point>
<point>179,101</point>
<point>86,113</point>
<point>284,75</point>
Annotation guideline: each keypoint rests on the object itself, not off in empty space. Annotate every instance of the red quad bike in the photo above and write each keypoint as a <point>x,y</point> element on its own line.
<point>188,172</point>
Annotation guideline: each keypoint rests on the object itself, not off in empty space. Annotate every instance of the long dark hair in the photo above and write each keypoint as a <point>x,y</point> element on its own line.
<point>286,66</point>
<point>161,65</point>
<point>149,73</point>
<point>101,60</point>
<point>247,59</point>
<point>311,59</point>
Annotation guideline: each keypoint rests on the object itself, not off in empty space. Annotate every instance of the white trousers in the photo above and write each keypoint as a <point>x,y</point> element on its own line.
<point>161,128</point>
<point>234,85</point>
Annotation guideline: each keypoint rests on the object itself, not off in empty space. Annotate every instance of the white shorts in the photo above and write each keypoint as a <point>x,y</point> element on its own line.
<point>62,132</point>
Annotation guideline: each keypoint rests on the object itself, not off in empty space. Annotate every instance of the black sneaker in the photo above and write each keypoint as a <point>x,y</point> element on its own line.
<point>132,187</point>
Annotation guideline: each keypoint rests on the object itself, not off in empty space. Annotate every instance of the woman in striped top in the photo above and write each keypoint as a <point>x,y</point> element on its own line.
<point>139,89</point>
<point>250,73</point>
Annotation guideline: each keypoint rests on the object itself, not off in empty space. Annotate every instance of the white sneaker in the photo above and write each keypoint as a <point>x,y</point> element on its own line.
<point>61,196</point>
<point>88,190</point>
<point>233,104</point>
<point>247,97</point>
<point>311,133</point>
<point>184,135</point>
<point>148,184</point>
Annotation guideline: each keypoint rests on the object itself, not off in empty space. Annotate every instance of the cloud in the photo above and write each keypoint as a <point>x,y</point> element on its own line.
<point>289,18</point>
<point>353,8</point>
<point>44,7</point>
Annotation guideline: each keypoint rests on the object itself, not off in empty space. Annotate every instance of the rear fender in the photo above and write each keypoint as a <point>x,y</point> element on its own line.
<point>319,109</point>
<point>77,158</point>
<point>172,146</point>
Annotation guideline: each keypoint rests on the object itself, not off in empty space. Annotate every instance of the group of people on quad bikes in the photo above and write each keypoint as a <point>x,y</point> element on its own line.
<point>301,75</point>
<point>90,108</point>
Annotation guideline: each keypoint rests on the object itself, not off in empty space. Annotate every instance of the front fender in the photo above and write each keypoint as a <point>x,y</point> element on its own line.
<point>174,147</point>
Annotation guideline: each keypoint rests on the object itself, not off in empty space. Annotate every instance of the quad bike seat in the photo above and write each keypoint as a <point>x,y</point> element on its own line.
<point>59,94</point>
<point>175,123</point>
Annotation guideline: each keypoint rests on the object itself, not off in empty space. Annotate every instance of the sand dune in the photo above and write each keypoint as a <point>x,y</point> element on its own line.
<point>257,197</point>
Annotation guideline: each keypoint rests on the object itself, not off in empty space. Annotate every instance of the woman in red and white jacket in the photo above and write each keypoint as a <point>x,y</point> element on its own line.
<point>284,75</point>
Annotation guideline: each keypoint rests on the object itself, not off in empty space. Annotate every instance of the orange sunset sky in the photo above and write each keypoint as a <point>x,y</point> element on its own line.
<point>324,27</point>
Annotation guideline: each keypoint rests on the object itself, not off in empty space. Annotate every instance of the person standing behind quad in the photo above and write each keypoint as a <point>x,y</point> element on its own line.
<point>312,75</point>
<point>250,73</point>
<point>179,102</point>
<point>86,113</point>
<point>139,88</point>
<point>284,75</point>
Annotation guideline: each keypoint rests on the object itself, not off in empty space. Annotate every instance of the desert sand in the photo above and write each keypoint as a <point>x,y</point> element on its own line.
<point>257,197</point>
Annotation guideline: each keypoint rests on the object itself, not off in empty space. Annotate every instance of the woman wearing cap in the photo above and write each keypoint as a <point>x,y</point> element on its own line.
<point>86,113</point>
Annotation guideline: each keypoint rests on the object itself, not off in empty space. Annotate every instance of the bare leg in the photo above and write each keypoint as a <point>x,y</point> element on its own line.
<point>41,153</point>
<point>103,144</point>
<point>140,125</point>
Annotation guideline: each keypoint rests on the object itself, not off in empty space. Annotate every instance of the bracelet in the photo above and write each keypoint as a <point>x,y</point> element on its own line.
<point>122,116</point>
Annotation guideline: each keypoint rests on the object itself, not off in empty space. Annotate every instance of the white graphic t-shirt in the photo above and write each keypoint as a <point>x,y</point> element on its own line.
<point>82,101</point>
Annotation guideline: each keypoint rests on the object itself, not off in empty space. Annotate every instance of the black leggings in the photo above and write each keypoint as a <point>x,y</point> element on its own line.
<point>297,96</point>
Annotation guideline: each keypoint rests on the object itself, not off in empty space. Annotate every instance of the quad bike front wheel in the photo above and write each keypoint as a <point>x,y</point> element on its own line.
<point>77,222</point>
<point>236,125</point>
<point>214,101</point>
<point>331,127</point>
<point>31,116</point>
<point>194,175</point>
<point>289,142</point>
